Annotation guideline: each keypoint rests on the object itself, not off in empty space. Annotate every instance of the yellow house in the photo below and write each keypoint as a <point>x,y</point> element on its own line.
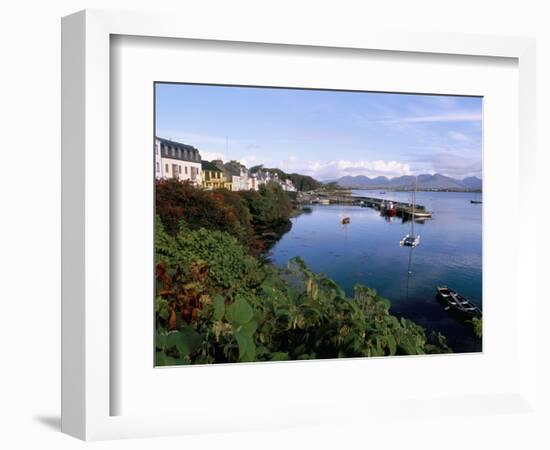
<point>212,176</point>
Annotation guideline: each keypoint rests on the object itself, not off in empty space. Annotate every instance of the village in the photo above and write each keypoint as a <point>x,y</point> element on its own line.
<point>184,162</point>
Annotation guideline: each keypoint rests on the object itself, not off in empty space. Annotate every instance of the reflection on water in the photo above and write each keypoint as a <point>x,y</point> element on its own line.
<point>367,251</point>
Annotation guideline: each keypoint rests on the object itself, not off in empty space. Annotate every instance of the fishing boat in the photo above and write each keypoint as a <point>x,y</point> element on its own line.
<point>388,208</point>
<point>411,240</point>
<point>455,302</point>
<point>476,202</point>
<point>345,220</point>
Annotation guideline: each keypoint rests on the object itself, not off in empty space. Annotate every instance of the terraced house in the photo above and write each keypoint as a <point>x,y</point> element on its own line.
<point>177,160</point>
<point>212,176</point>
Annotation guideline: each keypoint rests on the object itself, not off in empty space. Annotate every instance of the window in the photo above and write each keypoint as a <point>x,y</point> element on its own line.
<point>179,169</point>
<point>173,151</point>
<point>179,152</point>
<point>186,170</point>
<point>166,168</point>
<point>158,167</point>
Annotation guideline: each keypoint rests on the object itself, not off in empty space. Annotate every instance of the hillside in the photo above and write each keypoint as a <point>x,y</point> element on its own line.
<point>424,182</point>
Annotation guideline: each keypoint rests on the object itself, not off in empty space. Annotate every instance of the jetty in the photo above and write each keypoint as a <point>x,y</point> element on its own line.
<point>403,209</point>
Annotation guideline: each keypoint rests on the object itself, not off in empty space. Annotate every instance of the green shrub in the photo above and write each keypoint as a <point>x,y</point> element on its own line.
<point>245,215</point>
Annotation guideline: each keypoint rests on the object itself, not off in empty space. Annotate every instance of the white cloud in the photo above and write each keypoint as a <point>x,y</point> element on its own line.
<point>249,160</point>
<point>445,117</point>
<point>457,136</point>
<point>290,164</point>
<point>209,156</point>
<point>325,170</point>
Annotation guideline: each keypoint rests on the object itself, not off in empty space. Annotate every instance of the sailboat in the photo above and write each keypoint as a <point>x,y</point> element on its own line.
<point>410,240</point>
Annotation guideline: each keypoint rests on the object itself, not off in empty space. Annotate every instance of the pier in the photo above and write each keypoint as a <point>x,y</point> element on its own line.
<point>403,209</point>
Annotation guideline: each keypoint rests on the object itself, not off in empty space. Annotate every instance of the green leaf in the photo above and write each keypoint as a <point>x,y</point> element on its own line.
<point>386,302</point>
<point>239,312</point>
<point>219,307</point>
<point>392,344</point>
<point>249,327</point>
<point>187,340</point>
<point>379,344</point>
<point>160,340</point>
<point>162,308</point>
<point>160,359</point>
<point>247,348</point>
<point>280,356</point>
<point>169,361</point>
<point>408,345</point>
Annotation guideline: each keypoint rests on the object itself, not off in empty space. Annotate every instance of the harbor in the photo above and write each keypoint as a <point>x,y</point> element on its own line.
<point>398,208</point>
<point>367,250</point>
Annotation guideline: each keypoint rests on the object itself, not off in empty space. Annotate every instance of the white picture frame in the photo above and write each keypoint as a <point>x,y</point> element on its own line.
<point>87,384</point>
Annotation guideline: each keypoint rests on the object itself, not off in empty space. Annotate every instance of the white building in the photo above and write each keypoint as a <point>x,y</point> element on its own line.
<point>177,160</point>
<point>253,182</point>
<point>238,174</point>
<point>288,186</point>
<point>264,176</point>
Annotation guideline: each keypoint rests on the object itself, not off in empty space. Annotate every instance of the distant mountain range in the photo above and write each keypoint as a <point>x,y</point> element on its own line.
<point>424,182</point>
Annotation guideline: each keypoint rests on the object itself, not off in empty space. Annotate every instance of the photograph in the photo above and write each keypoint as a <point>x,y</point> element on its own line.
<point>304,224</point>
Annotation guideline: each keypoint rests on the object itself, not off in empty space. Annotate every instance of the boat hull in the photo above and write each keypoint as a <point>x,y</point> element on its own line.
<point>457,304</point>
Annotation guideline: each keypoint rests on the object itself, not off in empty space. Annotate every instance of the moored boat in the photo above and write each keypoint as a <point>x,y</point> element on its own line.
<point>345,220</point>
<point>457,303</point>
<point>388,208</point>
<point>410,241</point>
<point>476,202</point>
<point>422,215</point>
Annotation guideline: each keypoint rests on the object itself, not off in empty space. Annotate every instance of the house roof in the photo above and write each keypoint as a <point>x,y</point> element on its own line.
<point>185,152</point>
<point>207,165</point>
<point>232,169</point>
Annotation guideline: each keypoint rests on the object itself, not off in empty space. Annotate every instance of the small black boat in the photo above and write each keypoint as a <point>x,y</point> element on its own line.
<point>476,202</point>
<point>455,302</point>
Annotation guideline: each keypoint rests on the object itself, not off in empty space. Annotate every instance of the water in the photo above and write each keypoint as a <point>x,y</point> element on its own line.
<point>367,251</point>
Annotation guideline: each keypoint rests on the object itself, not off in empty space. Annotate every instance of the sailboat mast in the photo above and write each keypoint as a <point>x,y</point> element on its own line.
<point>413,205</point>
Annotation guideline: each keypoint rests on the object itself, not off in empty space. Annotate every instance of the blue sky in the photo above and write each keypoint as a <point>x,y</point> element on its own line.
<point>326,134</point>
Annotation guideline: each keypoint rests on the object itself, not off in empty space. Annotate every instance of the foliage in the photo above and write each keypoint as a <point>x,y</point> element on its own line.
<point>477,323</point>
<point>269,205</point>
<point>216,303</point>
<point>220,210</point>
<point>245,215</point>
